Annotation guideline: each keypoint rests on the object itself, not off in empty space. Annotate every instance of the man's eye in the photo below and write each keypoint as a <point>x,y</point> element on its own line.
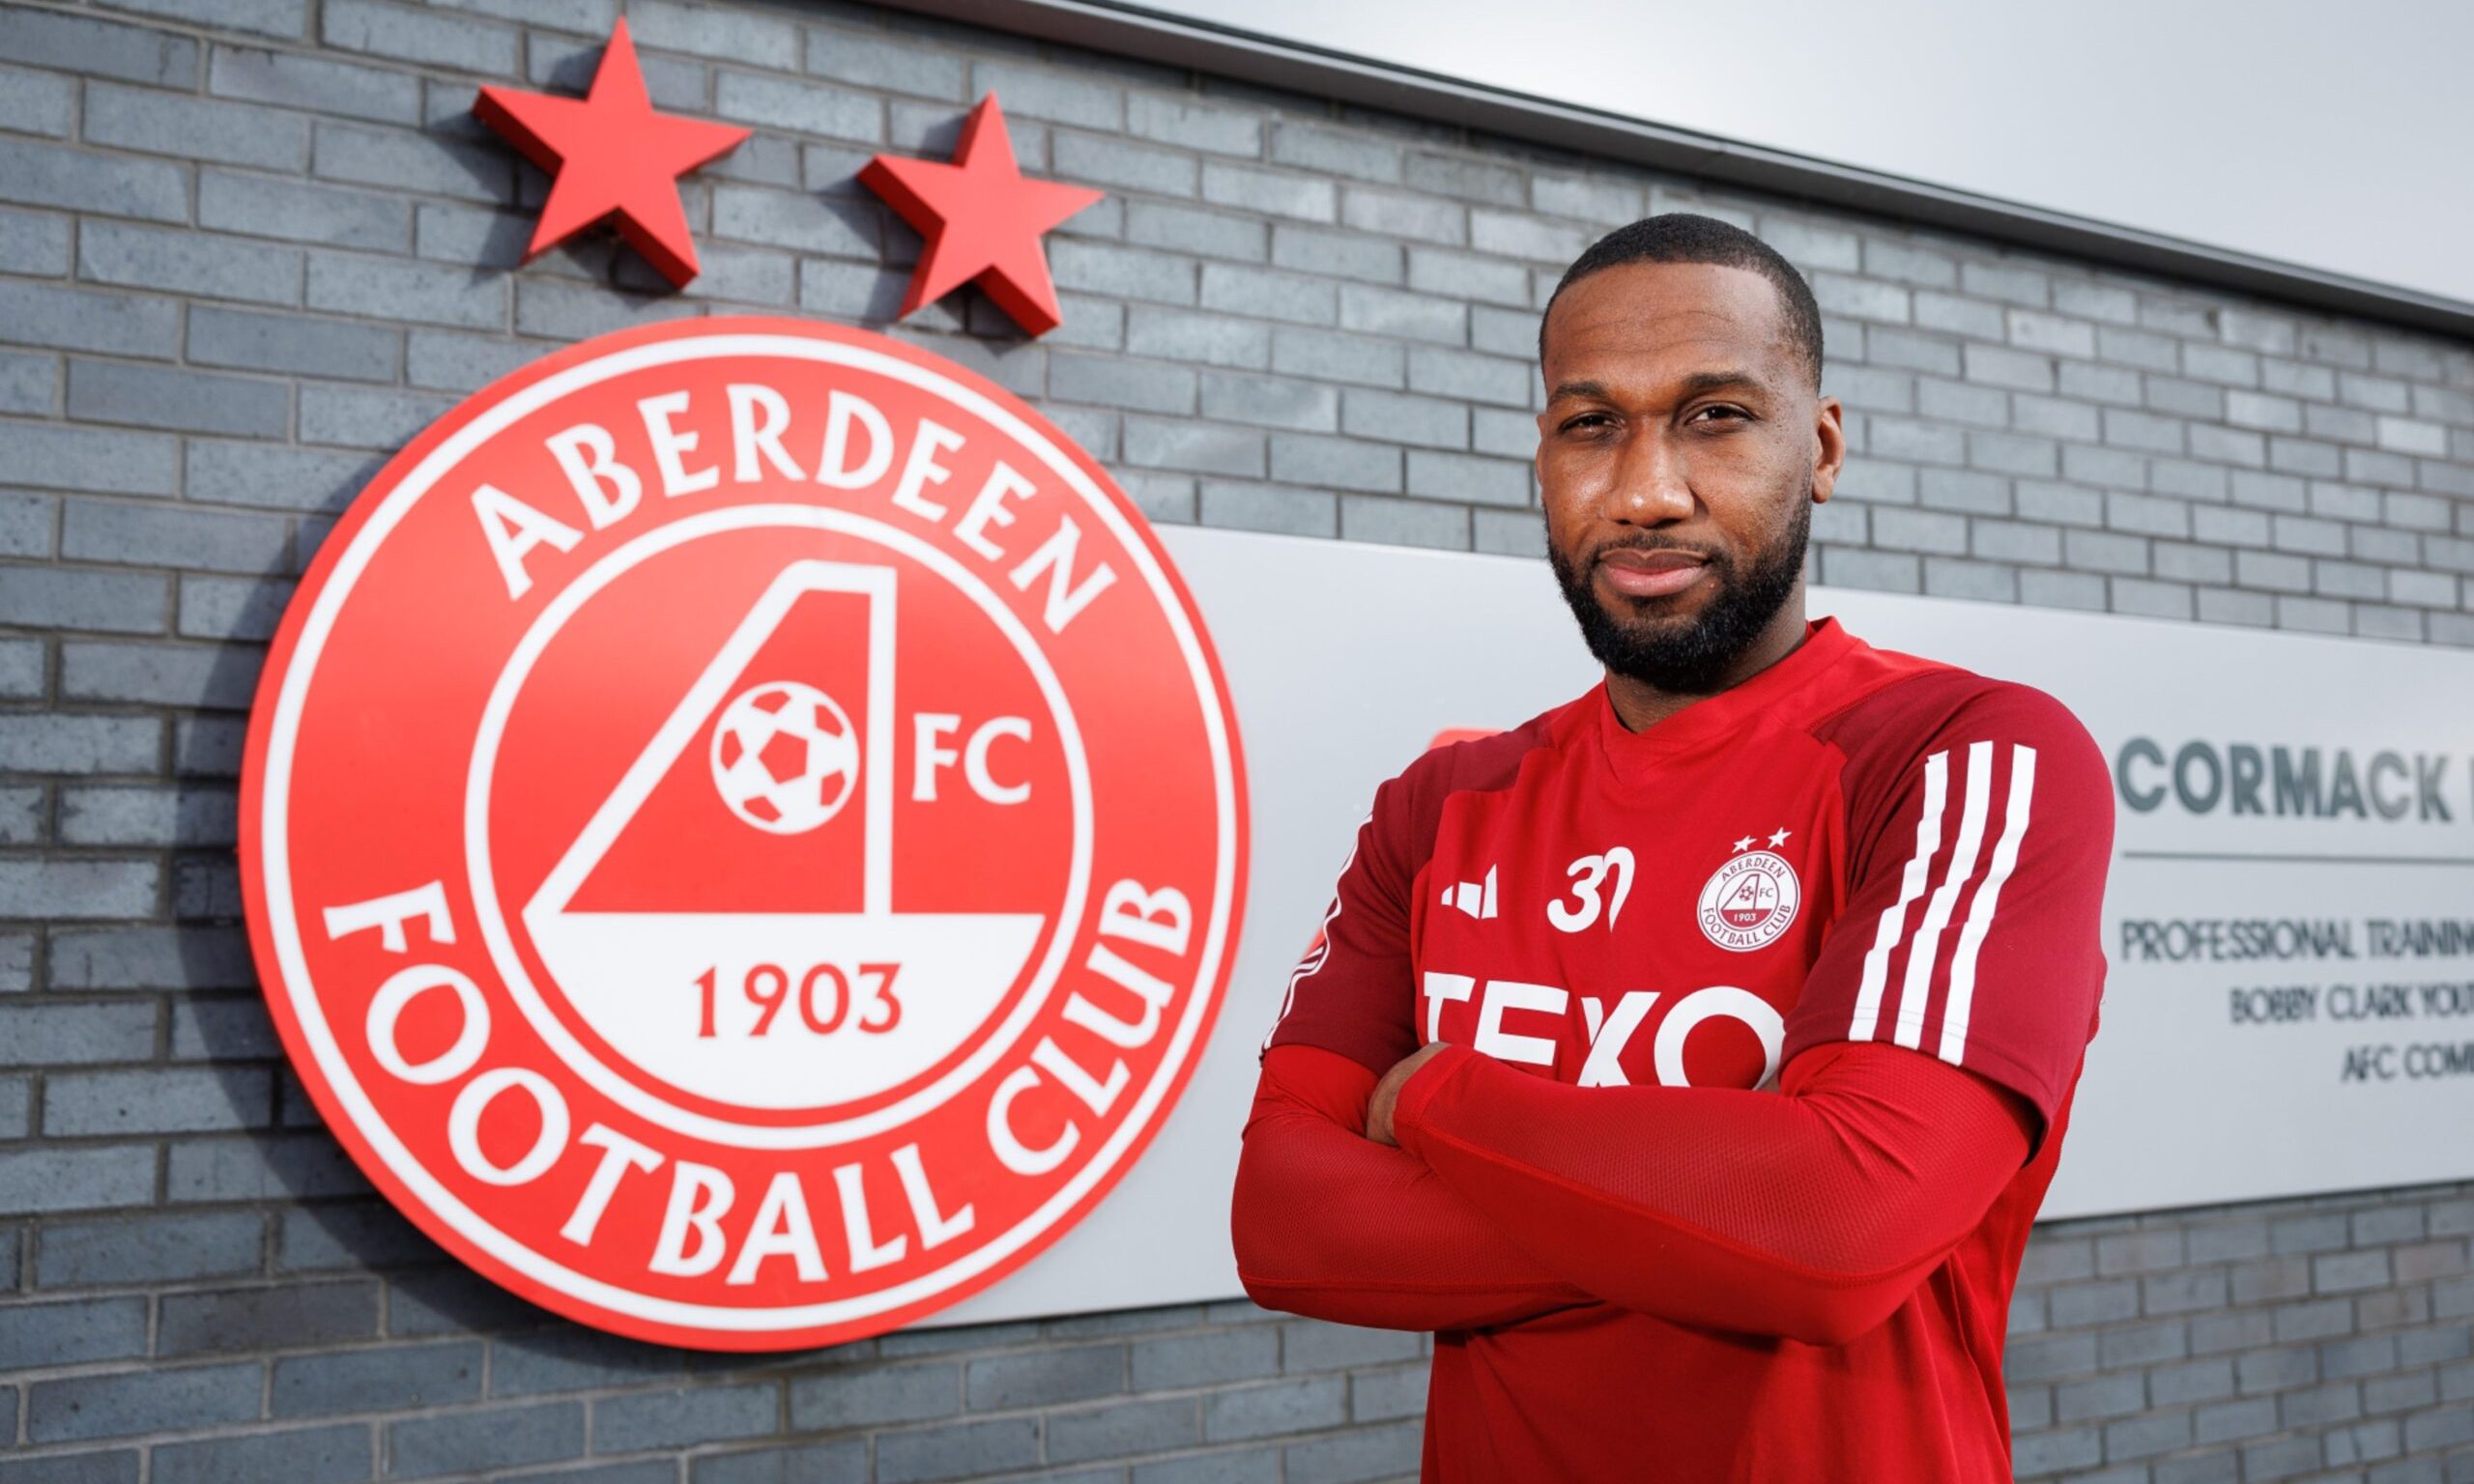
<point>1735,413</point>
<point>1586,421</point>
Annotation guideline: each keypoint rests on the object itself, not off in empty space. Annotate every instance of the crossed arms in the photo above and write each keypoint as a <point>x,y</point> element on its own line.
<point>1811,1213</point>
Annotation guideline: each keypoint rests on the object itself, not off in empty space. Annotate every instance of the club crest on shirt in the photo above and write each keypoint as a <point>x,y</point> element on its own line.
<point>1750,901</point>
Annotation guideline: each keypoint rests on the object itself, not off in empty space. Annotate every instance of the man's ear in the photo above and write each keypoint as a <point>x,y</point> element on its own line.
<point>1831,454</point>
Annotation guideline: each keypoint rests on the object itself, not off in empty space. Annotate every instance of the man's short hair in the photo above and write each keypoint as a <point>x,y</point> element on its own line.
<point>1686,236</point>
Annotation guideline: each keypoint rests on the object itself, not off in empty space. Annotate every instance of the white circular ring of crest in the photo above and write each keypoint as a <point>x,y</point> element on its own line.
<point>1770,867</point>
<point>285,927</point>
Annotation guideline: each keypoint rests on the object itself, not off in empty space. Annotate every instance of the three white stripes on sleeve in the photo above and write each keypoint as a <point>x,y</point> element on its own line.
<point>1916,985</point>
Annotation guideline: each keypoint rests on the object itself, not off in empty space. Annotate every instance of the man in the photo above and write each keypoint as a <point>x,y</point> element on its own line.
<point>1705,1126</point>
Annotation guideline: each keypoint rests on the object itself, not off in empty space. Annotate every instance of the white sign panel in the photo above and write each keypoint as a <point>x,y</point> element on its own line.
<point>2289,921</point>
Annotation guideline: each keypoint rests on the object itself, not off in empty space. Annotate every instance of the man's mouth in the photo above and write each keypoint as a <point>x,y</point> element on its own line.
<point>1651,573</point>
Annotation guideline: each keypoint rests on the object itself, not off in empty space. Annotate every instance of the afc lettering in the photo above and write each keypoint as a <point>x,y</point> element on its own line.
<point>1546,1008</point>
<point>2414,1061</point>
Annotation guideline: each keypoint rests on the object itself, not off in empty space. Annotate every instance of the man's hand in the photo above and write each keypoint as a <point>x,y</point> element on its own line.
<point>1378,1108</point>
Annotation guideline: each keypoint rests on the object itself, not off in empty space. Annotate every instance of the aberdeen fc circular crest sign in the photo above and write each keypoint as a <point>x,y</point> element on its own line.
<point>744,832</point>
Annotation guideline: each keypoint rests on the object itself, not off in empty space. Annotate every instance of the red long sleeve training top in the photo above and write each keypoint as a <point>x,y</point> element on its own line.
<point>1860,880</point>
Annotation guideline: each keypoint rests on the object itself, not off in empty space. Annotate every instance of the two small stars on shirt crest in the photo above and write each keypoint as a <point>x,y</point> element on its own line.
<point>1775,840</point>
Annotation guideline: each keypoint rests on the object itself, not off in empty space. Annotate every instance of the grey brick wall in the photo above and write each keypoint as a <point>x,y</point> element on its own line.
<point>248,246</point>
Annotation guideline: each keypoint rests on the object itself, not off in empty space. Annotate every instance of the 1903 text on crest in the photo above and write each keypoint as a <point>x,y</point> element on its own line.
<point>744,832</point>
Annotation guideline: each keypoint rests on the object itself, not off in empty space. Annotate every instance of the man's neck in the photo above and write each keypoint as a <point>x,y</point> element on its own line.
<point>1640,706</point>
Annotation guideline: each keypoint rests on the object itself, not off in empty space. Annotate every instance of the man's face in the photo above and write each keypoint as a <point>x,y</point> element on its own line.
<point>1680,456</point>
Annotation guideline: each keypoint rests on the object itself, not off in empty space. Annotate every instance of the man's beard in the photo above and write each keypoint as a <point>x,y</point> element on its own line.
<point>1690,657</point>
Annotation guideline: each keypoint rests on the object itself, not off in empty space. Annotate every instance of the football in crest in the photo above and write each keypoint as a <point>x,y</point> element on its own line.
<point>784,757</point>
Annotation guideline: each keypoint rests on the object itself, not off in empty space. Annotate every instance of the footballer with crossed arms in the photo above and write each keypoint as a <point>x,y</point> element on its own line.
<point>1691,1059</point>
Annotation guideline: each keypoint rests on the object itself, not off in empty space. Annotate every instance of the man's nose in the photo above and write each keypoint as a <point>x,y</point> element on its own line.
<point>1650,486</point>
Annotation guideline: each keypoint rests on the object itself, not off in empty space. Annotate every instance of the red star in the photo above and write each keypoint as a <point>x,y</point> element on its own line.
<point>982,218</point>
<point>609,151</point>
